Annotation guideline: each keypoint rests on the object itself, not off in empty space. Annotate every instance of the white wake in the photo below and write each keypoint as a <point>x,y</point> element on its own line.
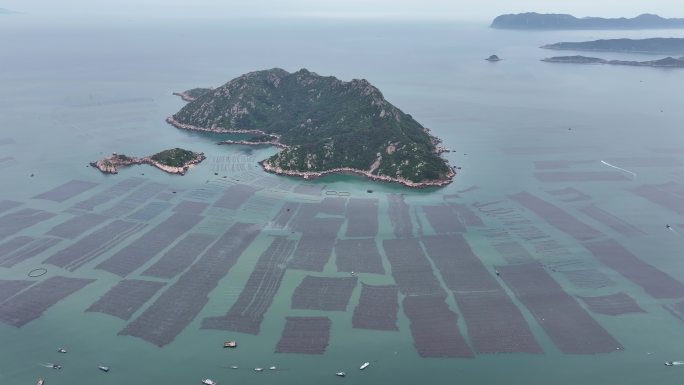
<point>618,168</point>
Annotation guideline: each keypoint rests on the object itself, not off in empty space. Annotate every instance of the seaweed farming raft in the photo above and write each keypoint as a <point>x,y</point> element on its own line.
<point>247,313</point>
<point>305,335</point>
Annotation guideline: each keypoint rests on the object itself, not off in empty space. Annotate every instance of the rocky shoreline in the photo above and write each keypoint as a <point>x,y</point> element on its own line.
<point>346,170</point>
<point>312,174</point>
<point>111,164</point>
<point>184,96</point>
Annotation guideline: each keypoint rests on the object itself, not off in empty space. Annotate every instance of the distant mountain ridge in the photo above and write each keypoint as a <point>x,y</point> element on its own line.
<point>532,20</point>
<point>657,45</point>
<point>668,62</point>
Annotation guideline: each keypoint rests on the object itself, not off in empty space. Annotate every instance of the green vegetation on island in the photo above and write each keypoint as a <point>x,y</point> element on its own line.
<point>668,62</point>
<point>175,157</point>
<point>173,161</point>
<point>323,124</point>
<point>656,45</point>
<point>532,20</point>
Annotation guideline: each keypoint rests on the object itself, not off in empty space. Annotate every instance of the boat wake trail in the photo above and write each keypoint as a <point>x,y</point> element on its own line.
<point>677,362</point>
<point>618,168</point>
<point>45,364</point>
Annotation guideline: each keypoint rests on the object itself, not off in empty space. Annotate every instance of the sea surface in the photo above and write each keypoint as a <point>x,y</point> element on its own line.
<point>554,158</point>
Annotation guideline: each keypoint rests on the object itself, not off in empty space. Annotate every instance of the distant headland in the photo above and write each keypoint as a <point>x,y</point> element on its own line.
<point>668,62</point>
<point>533,20</point>
<point>322,125</point>
<point>172,161</point>
<point>656,45</point>
<point>192,94</point>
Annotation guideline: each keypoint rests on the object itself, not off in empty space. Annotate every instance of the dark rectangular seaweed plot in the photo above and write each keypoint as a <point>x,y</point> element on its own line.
<point>126,298</point>
<point>568,325</point>
<point>93,245</point>
<point>180,256</point>
<point>32,302</point>
<point>333,205</point>
<point>434,327</point>
<point>495,324</point>
<point>247,313</point>
<point>285,214</point>
<point>305,335</point>
<point>613,304</point>
<point>136,254</point>
<point>661,197</point>
<point>587,278</point>
<point>410,267</point>
<point>377,308</point>
<point>309,189</point>
<point>9,288</point>
<point>362,217</point>
<point>316,244</point>
<point>556,217</point>
<point>16,221</point>
<point>611,221</point>
<point>116,191</point>
<point>323,293</point>
<point>77,225</point>
<point>191,207</point>
<point>6,205</point>
<point>29,251</point>
<point>14,244</point>
<point>235,196</point>
<point>66,191</point>
<point>149,211</point>
<point>358,255</point>
<point>179,304</point>
<point>580,176</point>
<point>443,219</point>
<point>305,215</point>
<point>135,199</point>
<point>400,216</point>
<point>655,282</point>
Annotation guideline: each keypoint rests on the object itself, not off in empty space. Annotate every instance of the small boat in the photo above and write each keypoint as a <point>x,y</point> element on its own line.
<point>669,363</point>
<point>61,350</point>
<point>365,365</point>
<point>340,374</point>
<point>258,369</point>
<point>272,368</point>
<point>40,381</point>
<point>230,344</point>
<point>233,367</point>
<point>56,366</point>
<point>208,381</point>
<point>103,368</point>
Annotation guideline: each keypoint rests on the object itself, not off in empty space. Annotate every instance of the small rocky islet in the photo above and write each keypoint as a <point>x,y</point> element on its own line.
<point>172,161</point>
<point>322,125</point>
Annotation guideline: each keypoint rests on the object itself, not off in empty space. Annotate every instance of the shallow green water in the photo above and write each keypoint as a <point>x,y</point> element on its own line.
<point>77,90</point>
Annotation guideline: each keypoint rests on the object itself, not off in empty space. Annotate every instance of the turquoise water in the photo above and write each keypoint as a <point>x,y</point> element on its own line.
<point>76,90</point>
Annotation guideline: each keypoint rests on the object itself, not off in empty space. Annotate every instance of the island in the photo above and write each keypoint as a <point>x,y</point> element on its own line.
<point>668,62</point>
<point>173,161</point>
<point>656,45</point>
<point>321,125</point>
<point>493,58</point>
<point>192,94</point>
<point>532,20</point>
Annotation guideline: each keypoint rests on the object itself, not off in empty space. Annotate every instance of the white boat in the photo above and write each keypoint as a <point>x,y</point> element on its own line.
<point>272,368</point>
<point>365,365</point>
<point>233,367</point>
<point>208,381</point>
<point>258,369</point>
<point>61,350</point>
<point>669,363</point>
<point>340,374</point>
<point>103,368</point>
<point>40,381</point>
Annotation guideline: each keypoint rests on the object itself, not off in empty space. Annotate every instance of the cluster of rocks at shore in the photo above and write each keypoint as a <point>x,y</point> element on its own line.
<point>111,164</point>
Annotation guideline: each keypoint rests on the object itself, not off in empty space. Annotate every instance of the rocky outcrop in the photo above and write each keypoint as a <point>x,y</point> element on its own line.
<point>111,164</point>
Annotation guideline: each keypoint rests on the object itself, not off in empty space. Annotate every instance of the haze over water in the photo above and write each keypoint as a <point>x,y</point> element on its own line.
<point>77,90</point>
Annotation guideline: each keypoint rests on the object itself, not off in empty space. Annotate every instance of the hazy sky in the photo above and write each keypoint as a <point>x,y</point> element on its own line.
<point>423,9</point>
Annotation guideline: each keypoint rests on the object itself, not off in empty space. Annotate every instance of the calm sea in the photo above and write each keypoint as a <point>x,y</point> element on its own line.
<point>75,90</point>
